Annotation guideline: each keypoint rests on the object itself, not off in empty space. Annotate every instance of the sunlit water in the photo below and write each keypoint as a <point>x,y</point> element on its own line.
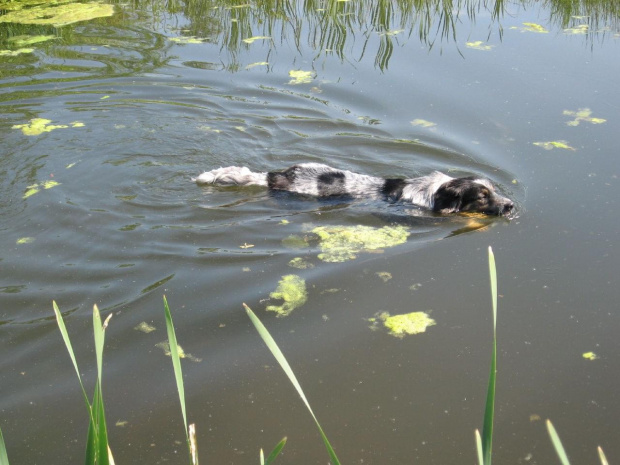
<point>103,211</point>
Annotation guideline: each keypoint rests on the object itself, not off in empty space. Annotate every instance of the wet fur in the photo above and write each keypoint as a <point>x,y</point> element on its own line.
<point>436,191</point>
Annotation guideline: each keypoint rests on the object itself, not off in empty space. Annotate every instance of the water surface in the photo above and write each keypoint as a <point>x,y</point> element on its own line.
<point>103,211</point>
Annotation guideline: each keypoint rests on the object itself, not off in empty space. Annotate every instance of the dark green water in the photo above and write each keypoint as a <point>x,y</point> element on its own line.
<point>103,211</point>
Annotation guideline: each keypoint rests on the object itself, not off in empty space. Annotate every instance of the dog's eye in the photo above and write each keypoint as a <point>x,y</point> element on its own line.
<point>484,194</point>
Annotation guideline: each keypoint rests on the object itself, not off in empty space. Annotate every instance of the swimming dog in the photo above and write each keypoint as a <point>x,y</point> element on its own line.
<point>436,191</point>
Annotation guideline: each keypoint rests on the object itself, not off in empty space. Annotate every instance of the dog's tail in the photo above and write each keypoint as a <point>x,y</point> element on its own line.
<point>232,176</point>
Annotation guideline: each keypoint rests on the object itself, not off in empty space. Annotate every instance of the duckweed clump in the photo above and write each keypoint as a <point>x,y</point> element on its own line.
<point>341,243</point>
<point>292,290</point>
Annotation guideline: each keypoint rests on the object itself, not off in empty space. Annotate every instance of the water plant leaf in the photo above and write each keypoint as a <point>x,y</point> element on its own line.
<point>292,290</point>
<point>555,144</point>
<point>583,114</point>
<point>590,356</point>
<point>279,356</point>
<point>601,455</point>
<point>479,45</point>
<point>4,459</point>
<point>489,410</point>
<point>301,77</point>
<point>557,444</point>
<point>58,15</point>
<point>178,372</point>
<point>342,243</point>
<point>479,453</point>
<point>274,453</point>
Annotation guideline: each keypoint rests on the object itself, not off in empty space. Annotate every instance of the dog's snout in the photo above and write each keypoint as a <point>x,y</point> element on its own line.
<point>508,206</point>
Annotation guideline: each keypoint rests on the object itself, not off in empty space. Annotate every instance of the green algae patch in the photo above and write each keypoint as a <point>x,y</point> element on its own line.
<point>402,325</point>
<point>295,242</point>
<point>531,27</point>
<point>36,188</point>
<point>590,356</point>
<point>14,53</point>
<point>582,115</point>
<point>300,263</point>
<point>479,45</point>
<point>342,243</point>
<point>292,290</point>
<point>38,126</point>
<point>25,39</point>
<point>57,15</point>
<point>251,40</point>
<point>423,123</point>
<point>165,346</point>
<point>554,144</point>
<point>301,77</point>
<point>25,240</point>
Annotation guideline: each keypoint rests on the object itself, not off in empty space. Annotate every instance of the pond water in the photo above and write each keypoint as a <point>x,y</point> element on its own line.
<point>104,123</point>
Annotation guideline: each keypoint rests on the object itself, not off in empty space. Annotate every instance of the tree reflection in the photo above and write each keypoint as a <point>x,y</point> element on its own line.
<point>333,27</point>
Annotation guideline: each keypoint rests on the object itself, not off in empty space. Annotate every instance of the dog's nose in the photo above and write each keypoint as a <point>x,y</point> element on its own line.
<point>508,207</point>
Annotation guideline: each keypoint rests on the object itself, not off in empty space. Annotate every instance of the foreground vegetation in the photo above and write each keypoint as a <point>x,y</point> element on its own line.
<point>98,451</point>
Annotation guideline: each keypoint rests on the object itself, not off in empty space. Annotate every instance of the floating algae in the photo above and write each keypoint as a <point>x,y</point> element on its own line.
<point>300,263</point>
<point>57,15</point>
<point>38,126</point>
<point>165,346</point>
<point>341,243</point>
<point>291,289</point>
<point>401,325</point>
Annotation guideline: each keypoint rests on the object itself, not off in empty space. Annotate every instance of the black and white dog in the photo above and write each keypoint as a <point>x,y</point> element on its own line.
<point>437,191</point>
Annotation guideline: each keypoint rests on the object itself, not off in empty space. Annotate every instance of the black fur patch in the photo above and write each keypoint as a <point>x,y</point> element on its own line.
<point>332,183</point>
<point>393,189</point>
<point>281,180</point>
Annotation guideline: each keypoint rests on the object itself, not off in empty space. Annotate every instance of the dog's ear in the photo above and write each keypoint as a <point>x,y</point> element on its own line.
<point>448,198</point>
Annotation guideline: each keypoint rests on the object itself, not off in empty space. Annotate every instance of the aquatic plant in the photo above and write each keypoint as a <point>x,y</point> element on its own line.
<point>292,290</point>
<point>97,449</point>
<point>279,356</point>
<point>342,243</point>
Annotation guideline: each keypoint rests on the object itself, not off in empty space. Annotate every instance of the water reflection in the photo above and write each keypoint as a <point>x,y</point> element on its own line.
<point>345,29</point>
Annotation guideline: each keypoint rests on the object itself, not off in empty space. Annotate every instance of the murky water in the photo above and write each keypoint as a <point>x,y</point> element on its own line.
<point>105,121</point>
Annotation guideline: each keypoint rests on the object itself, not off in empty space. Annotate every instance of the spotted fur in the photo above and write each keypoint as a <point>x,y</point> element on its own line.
<point>436,191</point>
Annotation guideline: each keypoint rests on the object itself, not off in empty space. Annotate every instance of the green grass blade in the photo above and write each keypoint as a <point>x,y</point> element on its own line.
<point>277,353</point>
<point>65,337</point>
<point>489,411</point>
<point>176,364</point>
<point>274,453</point>
<point>4,458</point>
<point>479,448</point>
<point>91,444</point>
<point>557,444</point>
<point>601,455</point>
<point>98,409</point>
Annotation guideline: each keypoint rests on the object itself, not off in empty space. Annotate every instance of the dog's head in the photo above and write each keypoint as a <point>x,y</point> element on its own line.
<point>471,195</point>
